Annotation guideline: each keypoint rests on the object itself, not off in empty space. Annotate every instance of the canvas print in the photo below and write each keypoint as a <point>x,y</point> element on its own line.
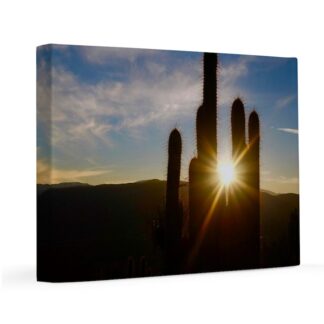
<point>155,162</point>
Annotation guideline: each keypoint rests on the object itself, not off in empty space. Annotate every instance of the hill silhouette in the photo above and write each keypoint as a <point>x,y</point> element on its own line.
<point>114,230</point>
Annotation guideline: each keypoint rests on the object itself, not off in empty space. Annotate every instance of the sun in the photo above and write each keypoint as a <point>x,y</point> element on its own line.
<point>226,173</point>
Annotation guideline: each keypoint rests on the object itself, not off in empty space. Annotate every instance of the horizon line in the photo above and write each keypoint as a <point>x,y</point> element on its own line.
<point>123,183</point>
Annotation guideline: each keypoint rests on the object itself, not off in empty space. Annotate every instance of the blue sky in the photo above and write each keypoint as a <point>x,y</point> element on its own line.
<point>112,110</point>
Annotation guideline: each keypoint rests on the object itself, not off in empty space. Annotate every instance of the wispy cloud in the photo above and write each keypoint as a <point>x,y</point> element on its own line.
<point>152,94</point>
<point>280,184</point>
<point>103,55</point>
<point>282,180</point>
<point>230,73</point>
<point>87,120</point>
<point>289,130</point>
<point>229,76</point>
<point>285,101</point>
<point>47,174</point>
<point>90,113</point>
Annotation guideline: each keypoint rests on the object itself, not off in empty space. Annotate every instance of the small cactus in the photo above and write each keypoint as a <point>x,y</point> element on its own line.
<point>173,177</point>
<point>173,207</point>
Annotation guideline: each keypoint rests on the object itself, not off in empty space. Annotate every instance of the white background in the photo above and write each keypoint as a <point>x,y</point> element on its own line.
<point>281,28</point>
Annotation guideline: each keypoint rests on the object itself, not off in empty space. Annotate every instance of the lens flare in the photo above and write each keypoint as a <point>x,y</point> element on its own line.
<point>226,173</point>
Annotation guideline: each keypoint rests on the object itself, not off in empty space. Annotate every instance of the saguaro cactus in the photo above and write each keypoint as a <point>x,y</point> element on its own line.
<point>238,129</point>
<point>254,152</point>
<point>223,235</point>
<point>173,178</point>
<point>201,136</point>
<point>202,169</point>
<point>210,103</point>
<point>195,217</point>
<point>238,147</point>
<point>206,122</point>
<point>253,182</point>
<point>173,220</point>
<point>232,224</point>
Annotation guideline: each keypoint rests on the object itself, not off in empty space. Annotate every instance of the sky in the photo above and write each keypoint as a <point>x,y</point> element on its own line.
<point>104,114</point>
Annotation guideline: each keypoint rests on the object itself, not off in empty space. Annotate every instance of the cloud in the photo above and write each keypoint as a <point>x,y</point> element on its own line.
<point>152,93</point>
<point>229,76</point>
<point>231,73</point>
<point>285,101</point>
<point>280,184</point>
<point>289,130</point>
<point>88,113</point>
<point>282,180</point>
<point>81,120</point>
<point>103,55</point>
<point>265,172</point>
<point>156,61</point>
<point>43,172</point>
<point>266,175</point>
<point>59,47</point>
<point>50,175</point>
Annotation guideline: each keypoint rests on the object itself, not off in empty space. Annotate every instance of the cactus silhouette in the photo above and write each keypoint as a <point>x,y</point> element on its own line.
<point>240,225</point>
<point>173,221</point>
<point>173,177</point>
<point>238,129</point>
<point>207,114</point>
<point>254,154</point>
<point>210,103</point>
<point>195,222</point>
<point>202,169</point>
<point>201,133</point>
<point>253,181</point>
<point>223,233</point>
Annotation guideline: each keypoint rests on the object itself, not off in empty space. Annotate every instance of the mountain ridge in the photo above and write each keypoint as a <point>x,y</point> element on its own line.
<point>43,187</point>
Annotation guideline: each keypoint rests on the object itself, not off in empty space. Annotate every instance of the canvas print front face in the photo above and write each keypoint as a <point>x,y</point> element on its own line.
<point>164,162</point>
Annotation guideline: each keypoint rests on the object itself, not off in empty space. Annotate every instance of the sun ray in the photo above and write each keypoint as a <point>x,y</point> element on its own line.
<point>244,152</point>
<point>204,226</point>
<point>228,180</point>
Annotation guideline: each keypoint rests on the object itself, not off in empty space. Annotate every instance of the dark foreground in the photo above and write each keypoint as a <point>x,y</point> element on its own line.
<point>116,231</point>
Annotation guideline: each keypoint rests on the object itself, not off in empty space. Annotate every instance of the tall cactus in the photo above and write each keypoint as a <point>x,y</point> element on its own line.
<point>201,136</point>
<point>253,181</point>
<point>210,103</point>
<point>202,169</point>
<point>173,210</point>
<point>206,120</point>
<point>206,123</point>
